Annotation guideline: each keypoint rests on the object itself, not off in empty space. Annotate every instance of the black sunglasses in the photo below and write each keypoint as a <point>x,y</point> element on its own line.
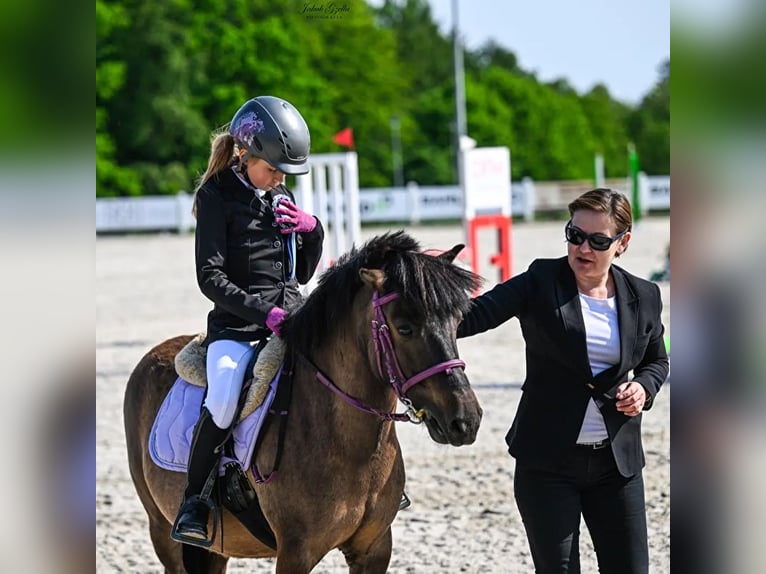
<point>598,241</point>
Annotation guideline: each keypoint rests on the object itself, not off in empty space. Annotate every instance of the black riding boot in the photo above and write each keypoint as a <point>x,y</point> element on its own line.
<point>191,523</point>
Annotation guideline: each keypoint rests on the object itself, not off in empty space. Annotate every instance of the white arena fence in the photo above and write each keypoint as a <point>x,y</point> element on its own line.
<point>331,192</point>
<point>335,182</point>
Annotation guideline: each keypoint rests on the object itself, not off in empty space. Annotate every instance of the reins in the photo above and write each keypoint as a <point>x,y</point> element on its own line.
<point>386,357</point>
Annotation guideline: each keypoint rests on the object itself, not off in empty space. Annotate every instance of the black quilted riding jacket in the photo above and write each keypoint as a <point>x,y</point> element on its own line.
<point>242,258</point>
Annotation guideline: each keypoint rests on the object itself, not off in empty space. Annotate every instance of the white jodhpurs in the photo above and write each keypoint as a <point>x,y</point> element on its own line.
<point>226,364</point>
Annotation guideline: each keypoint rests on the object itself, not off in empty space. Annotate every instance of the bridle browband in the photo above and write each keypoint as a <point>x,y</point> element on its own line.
<point>386,356</point>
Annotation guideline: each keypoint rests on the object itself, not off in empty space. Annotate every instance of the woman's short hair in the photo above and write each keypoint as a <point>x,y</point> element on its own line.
<point>609,201</point>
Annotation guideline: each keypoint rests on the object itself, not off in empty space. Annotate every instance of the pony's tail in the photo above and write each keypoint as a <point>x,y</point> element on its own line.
<point>221,153</point>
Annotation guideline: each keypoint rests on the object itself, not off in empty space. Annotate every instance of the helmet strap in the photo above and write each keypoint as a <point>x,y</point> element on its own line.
<point>242,167</point>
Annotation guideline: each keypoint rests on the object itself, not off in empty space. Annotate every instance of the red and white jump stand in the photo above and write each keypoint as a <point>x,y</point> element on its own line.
<point>502,259</point>
<point>487,203</point>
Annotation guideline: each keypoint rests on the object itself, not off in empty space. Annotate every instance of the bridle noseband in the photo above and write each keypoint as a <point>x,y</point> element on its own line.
<point>386,356</point>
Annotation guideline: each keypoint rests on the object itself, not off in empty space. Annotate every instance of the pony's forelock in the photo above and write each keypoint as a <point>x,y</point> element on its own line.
<point>428,284</point>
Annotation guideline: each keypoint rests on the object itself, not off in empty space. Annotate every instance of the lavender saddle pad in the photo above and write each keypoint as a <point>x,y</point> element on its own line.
<point>172,431</point>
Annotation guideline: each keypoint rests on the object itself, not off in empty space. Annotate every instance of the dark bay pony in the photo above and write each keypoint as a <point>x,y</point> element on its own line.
<point>379,327</point>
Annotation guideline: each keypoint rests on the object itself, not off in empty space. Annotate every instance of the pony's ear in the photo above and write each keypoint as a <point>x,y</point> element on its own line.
<point>452,253</point>
<point>373,277</point>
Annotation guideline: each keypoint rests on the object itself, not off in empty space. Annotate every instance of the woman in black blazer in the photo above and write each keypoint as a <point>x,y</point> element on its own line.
<point>595,360</point>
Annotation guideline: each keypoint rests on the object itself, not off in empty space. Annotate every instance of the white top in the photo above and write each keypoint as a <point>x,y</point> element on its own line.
<point>258,191</point>
<point>602,334</point>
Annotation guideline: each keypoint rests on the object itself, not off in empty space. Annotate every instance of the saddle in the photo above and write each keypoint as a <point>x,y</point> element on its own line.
<point>191,365</point>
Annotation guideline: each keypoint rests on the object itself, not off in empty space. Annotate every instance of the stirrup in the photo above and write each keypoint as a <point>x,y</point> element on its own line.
<point>405,502</point>
<point>190,539</point>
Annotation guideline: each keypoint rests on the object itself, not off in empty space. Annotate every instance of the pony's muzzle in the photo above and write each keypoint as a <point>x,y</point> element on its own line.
<point>458,431</point>
<point>465,430</point>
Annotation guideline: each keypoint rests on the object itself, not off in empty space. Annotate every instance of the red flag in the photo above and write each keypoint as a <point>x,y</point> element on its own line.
<point>344,137</point>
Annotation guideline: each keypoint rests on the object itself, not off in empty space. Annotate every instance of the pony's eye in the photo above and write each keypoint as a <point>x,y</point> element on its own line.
<point>404,330</point>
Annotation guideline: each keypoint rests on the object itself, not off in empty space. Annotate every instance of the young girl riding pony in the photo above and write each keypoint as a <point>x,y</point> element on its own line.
<point>253,246</point>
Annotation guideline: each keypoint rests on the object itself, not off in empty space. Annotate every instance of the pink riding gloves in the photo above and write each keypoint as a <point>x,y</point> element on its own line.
<point>274,319</point>
<point>290,214</point>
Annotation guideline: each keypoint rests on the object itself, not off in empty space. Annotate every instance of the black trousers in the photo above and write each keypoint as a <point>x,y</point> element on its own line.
<point>587,484</point>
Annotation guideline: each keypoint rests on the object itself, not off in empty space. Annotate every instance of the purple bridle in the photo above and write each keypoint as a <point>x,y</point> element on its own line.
<point>386,355</point>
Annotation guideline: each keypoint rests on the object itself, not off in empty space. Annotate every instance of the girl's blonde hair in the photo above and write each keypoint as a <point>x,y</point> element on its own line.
<point>222,151</point>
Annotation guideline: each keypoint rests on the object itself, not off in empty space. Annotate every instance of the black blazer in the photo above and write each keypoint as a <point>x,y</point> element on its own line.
<point>558,381</point>
<point>242,259</point>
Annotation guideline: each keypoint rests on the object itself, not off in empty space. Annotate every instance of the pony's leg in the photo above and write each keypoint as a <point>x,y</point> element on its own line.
<point>180,558</point>
<point>364,557</point>
<point>167,550</point>
<point>199,561</point>
<point>294,557</point>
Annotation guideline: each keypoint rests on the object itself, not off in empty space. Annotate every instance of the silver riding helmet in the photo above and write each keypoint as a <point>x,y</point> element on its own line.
<point>272,129</point>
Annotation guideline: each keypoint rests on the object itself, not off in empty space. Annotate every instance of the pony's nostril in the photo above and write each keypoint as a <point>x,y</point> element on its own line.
<point>460,426</point>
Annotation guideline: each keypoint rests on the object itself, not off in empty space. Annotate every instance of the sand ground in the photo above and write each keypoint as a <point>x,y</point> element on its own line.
<point>463,518</point>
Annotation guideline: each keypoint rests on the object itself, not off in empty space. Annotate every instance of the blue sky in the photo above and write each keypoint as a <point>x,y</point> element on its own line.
<point>619,43</point>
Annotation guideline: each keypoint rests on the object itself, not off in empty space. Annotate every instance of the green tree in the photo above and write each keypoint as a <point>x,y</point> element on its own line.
<point>608,121</point>
<point>429,140</point>
<point>547,132</point>
<point>189,64</point>
<point>649,126</point>
<point>358,58</point>
<point>426,105</point>
<point>168,72</point>
<point>155,119</point>
<point>491,117</point>
<point>425,54</point>
<point>111,178</point>
<point>242,49</point>
<point>493,55</point>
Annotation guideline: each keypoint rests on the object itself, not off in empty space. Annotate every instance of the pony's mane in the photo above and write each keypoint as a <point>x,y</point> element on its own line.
<point>427,284</point>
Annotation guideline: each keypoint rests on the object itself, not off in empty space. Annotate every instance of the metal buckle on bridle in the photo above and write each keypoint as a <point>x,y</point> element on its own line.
<point>415,416</point>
